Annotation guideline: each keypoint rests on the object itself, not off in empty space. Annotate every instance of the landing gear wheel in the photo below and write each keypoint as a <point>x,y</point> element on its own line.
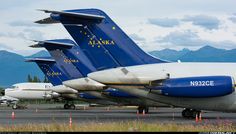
<point>14,107</point>
<point>190,113</point>
<point>186,113</point>
<point>141,109</point>
<point>146,110</point>
<point>66,106</point>
<point>72,106</point>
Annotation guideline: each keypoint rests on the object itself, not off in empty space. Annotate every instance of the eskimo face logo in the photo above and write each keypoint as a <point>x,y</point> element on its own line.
<point>54,74</point>
<point>94,42</point>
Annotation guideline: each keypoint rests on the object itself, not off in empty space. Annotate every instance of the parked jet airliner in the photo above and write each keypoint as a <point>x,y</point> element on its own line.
<point>29,91</point>
<point>123,65</point>
<point>68,55</point>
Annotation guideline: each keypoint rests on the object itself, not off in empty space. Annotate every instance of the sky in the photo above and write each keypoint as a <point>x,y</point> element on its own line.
<point>152,24</point>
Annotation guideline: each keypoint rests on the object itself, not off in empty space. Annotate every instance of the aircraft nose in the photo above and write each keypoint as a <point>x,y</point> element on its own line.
<point>6,91</point>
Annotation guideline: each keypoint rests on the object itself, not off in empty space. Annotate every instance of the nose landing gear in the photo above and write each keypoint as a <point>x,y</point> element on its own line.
<point>69,106</point>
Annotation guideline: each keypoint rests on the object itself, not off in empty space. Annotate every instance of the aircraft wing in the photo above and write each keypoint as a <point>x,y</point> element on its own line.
<point>69,14</point>
<point>8,98</point>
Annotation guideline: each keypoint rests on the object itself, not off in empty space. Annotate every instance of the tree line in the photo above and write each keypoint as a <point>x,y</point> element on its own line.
<point>37,79</point>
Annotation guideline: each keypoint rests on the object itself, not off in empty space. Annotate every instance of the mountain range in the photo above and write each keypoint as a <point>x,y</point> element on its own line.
<point>204,54</point>
<point>14,69</point>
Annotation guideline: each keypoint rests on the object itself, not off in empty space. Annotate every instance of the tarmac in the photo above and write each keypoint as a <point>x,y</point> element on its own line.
<point>54,113</point>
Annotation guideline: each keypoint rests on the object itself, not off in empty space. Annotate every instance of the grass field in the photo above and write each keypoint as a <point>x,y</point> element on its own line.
<point>222,126</point>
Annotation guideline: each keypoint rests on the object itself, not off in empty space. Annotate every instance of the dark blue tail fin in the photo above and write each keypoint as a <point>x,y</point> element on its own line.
<point>102,38</point>
<point>55,49</point>
<point>71,54</point>
<point>74,55</point>
<point>110,35</point>
<point>77,57</point>
<point>50,69</point>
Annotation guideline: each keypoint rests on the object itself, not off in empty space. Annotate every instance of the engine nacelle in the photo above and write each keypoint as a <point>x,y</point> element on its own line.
<point>117,93</point>
<point>84,84</point>
<point>55,95</point>
<point>51,95</point>
<point>61,89</point>
<point>86,96</point>
<point>47,96</point>
<point>196,87</point>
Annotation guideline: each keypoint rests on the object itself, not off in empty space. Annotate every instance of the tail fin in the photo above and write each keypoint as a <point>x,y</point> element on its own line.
<point>50,69</point>
<point>105,37</point>
<point>53,47</point>
<point>77,57</point>
<point>73,54</point>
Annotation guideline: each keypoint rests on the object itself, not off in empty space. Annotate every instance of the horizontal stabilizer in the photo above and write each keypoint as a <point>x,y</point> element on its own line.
<point>48,20</point>
<point>52,44</point>
<point>70,14</point>
<point>47,60</point>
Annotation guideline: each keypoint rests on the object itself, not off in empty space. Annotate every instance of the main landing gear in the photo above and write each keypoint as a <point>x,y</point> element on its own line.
<point>69,106</point>
<point>142,109</point>
<point>16,106</point>
<point>191,113</point>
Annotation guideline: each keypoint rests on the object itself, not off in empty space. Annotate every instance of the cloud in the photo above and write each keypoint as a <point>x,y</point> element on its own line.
<point>9,4</point>
<point>33,34</point>
<point>164,22</point>
<point>188,39</point>
<point>233,19</point>
<point>24,24</point>
<point>26,34</point>
<point>136,37</point>
<point>207,22</point>
<point>5,47</point>
<point>185,38</point>
<point>13,35</point>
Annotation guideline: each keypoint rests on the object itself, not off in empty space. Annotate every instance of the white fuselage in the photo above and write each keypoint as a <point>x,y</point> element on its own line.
<point>29,90</point>
<point>144,74</point>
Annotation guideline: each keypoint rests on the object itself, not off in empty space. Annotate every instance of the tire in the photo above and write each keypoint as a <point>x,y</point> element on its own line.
<point>187,113</point>
<point>66,106</point>
<point>14,107</point>
<point>146,110</point>
<point>72,106</point>
<point>184,113</point>
<point>140,110</point>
